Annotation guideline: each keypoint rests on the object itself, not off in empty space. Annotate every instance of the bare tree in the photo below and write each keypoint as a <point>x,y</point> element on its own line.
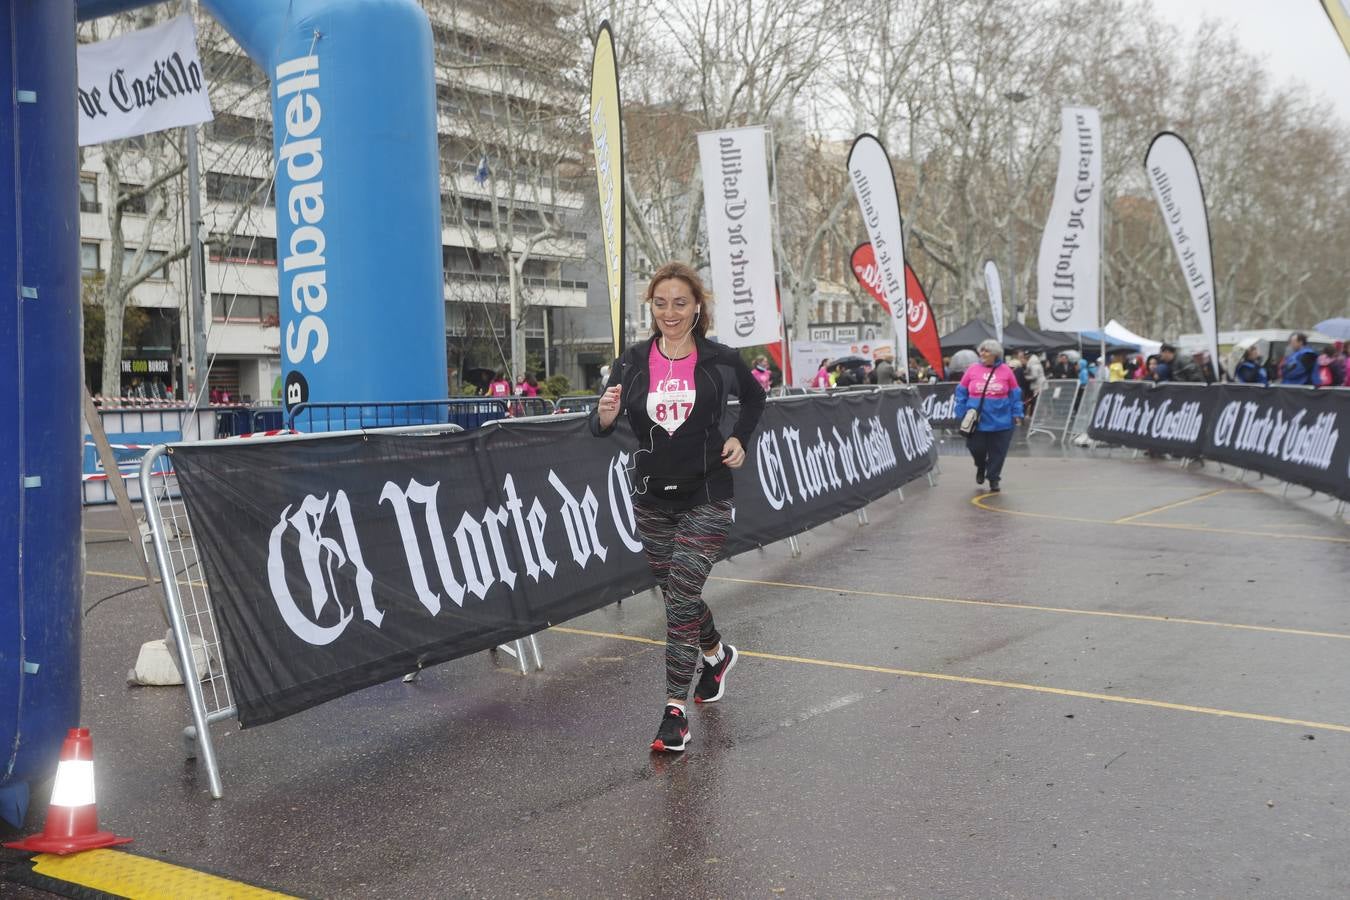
<point>706,66</point>
<point>511,149</point>
<point>145,180</point>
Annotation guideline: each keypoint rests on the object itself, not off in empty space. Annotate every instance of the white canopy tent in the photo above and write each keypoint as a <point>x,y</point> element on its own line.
<point>1119,332</point>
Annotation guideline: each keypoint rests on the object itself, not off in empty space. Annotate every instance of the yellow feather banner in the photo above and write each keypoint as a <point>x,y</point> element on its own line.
<point>1339,13</point>
<point>607,140</point>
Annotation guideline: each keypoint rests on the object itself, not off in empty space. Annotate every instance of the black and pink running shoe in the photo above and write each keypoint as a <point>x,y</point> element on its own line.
<point>674,731</point>
<point>712,684</point>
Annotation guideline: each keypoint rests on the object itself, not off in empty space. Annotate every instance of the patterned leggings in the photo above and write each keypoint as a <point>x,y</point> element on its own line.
<point>682,546</point>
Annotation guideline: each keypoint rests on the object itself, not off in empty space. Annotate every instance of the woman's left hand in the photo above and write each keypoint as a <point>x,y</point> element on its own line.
<point>733,454</point>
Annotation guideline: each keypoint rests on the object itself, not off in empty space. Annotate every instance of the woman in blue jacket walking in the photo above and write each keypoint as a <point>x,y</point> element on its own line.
<point>990,387</point>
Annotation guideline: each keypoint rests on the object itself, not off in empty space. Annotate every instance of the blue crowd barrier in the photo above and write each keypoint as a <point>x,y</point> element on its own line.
<point>468,413</point>
<point>574,403</point>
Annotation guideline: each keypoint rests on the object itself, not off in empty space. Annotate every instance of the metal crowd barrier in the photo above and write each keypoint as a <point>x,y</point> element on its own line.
<point>1055,406</point>
<point>577,403</point>
<point>466,412</point>
<point>237,419</point>
<point>268,418</point>
<point>187,599</point>
<point>132,431</point>
<point>1339,512</point>
<point>1087,405</point>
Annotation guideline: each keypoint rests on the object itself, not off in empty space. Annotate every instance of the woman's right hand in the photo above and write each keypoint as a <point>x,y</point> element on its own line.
<point>609,406</point>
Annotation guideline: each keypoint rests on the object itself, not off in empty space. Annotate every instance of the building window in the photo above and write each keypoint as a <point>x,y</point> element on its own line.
<point>230,129</point>
<point>89,194</point>
<point>255,308</point>
<point>132,204</point>
<point>231,67</point>
<point>237,189</point>
<point>89,259</point>
<point>242,248</point>
<point>152,262</point>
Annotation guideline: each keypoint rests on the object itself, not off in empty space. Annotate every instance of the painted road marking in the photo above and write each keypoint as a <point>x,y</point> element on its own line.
<point>1157,509</point>
<point>1142,617</point>
<point>979,502</point>
<point>127,875</point>
<point>141,578</point>
<point>989,682</point>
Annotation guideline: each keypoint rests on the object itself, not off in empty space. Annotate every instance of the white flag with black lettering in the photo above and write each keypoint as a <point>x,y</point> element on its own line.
<point>141,82</point>
<point>869,168</point>
<point>1176,186</point>
<point>995,289</point>
<point>1067,271</point>
<point>740,235</point>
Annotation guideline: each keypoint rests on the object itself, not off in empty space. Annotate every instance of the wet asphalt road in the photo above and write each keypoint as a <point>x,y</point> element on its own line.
<point>1118,678</point>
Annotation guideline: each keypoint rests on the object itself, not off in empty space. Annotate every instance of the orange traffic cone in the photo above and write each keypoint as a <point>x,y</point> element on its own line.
<point>72,817</point>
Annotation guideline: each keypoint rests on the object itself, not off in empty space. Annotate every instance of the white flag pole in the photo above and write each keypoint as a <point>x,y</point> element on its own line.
<point>784,340</point>
<point>1101,260</point>
<point>196,270</point>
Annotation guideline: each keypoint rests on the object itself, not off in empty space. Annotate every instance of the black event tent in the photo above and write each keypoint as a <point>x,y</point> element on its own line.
<point>1040,340</point>
<point>977,330</point>
<point>1020,336</point>
<point>1054,341</point>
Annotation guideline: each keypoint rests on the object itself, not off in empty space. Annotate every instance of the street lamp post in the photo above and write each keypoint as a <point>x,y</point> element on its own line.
<point>1013,98</point>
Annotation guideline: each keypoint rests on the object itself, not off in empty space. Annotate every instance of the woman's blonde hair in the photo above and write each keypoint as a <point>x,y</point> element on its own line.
<point>689,276</point>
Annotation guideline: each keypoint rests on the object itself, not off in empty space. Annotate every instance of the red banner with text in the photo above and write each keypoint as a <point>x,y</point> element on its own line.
<point>923,332</point>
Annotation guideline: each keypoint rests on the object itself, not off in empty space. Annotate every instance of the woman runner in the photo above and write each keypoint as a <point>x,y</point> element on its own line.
<point>674,389</point>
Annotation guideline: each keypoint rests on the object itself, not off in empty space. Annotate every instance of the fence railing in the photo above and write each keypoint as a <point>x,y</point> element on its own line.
<point>1055,406</point>
<point>200,644</point>
<point>233,421</point>
<point>573,403</point>
<point>466,412</point>
<point>187,599</point>
<point>131,431</point>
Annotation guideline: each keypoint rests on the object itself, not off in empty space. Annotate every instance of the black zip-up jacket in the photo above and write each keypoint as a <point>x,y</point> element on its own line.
<point>692,456</point>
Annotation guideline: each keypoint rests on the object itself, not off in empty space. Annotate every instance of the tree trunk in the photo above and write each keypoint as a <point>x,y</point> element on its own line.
<point>516,331</point>
<point>114,297</point>
<point>114,310</point>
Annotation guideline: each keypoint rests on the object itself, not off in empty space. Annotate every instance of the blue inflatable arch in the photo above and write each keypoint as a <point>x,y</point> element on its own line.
<point>360,287</point>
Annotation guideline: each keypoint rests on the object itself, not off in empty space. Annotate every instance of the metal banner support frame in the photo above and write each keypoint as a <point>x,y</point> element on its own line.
<point>1054,410</point>
<point>192,619</point>
<point>1082,416</point>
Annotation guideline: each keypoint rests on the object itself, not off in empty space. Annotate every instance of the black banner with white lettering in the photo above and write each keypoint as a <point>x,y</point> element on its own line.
<point>1290,433</point>
<point>939,403</point>
<point>1169,418</point>
<point>340,562</point>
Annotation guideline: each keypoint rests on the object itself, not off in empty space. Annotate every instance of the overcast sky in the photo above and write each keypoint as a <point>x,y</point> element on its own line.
<point>1294,36</point>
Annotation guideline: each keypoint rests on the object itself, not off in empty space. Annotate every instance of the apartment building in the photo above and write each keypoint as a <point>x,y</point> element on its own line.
<point>514,184</point>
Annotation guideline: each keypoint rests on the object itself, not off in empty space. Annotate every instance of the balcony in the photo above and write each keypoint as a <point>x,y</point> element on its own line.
<point>479,287</point>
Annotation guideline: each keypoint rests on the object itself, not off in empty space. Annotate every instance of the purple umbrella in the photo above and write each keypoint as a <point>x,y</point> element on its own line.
<point>1337,328</point>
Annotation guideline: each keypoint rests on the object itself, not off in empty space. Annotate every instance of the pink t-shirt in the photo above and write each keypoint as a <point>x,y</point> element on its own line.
<point>499,388</point>
<point>670,399</point>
